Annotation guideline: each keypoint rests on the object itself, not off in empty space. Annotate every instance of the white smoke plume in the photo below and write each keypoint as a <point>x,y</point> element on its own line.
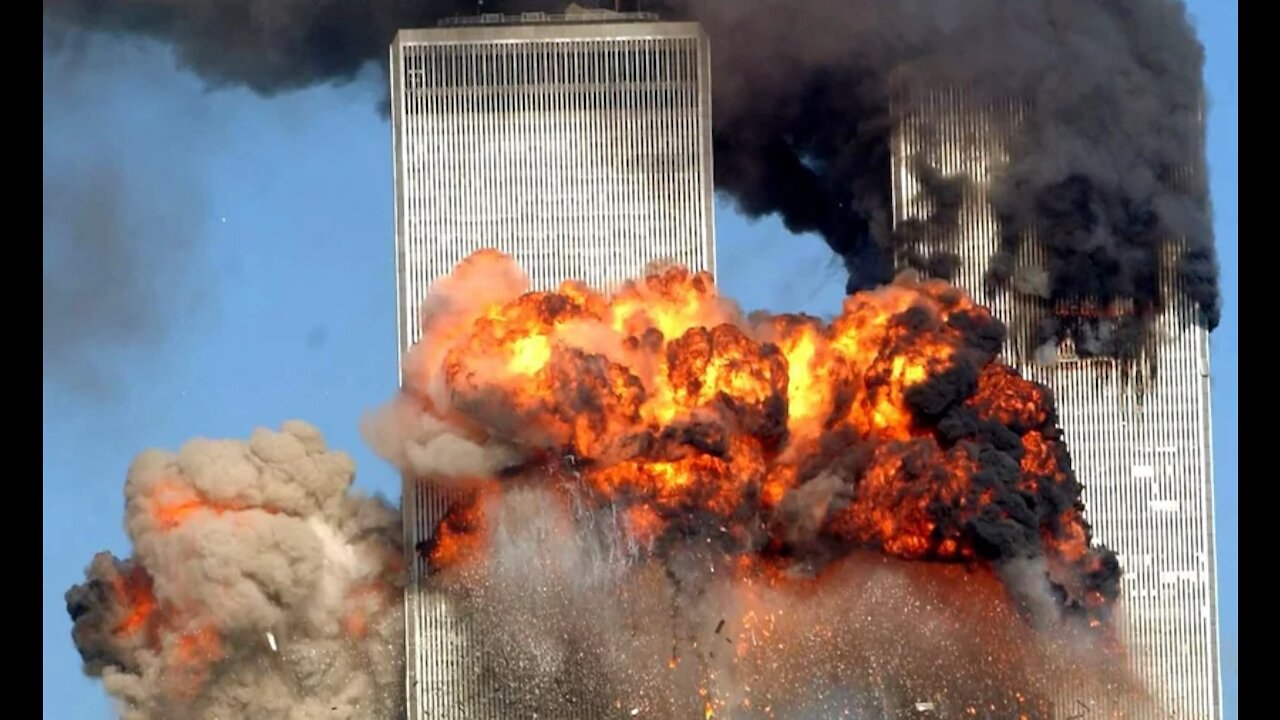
<point>260,587</point>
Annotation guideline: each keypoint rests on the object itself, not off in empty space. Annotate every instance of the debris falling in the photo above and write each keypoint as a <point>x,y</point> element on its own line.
<point>259,587</point>
<point>637,470</point>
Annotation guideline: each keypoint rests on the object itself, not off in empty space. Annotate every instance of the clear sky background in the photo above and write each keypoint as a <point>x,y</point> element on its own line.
<point>255,241</point>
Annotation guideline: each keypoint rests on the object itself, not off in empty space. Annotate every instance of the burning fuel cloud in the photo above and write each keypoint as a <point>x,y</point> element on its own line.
<point>259,587</point>
<point>654,491</point>
<point>1107,169</point>
<point>893,426</point>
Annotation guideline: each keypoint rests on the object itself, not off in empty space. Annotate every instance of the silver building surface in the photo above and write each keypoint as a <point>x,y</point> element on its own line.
<point>1139,435</point>
<point>580,144</point>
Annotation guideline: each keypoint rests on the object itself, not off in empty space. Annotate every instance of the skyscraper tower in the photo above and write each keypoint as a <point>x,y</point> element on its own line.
<point>580,145</point>
<point>1138,428</point>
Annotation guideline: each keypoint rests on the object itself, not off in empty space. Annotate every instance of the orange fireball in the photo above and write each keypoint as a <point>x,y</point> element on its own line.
<point>783,438</point>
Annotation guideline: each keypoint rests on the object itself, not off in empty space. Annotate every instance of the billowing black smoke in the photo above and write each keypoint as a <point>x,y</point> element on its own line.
<point>1108,166</point>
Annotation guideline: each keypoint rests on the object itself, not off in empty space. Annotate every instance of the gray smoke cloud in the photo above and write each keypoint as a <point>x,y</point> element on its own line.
<point>1108,167</point>
<point>568,622</point>
<point>116,247</point>
<point>260,587</point>
<point>112,267</point>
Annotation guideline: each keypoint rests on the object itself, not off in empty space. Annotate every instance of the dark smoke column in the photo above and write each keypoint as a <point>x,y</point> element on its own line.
<point>1138,424</point>
<point>803,112</point>
<point>804,115</point>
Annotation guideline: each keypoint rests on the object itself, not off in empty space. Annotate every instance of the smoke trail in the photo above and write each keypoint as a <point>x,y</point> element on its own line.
<point>117,242</point>
<point>94,288</point>
<point>803,113</point>
<point>259,587</point>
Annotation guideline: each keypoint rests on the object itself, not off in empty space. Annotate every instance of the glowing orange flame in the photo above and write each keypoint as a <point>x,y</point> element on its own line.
<point>173,504</point>
<point>133,594</point>
<point>676,410</point>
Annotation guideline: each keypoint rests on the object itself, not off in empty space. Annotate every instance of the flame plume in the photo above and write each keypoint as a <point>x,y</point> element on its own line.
<point>656,447</point>
<point>683,415</point>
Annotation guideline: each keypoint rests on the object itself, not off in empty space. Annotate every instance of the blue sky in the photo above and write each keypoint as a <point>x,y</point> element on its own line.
<point>269,292</point>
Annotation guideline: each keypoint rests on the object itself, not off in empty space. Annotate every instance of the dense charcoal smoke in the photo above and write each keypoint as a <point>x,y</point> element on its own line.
<point>1104,171</point>
<point>259,588</point>
<point>1099,170</point>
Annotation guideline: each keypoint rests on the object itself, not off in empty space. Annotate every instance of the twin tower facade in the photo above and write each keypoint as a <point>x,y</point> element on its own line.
<point>581,145</point>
